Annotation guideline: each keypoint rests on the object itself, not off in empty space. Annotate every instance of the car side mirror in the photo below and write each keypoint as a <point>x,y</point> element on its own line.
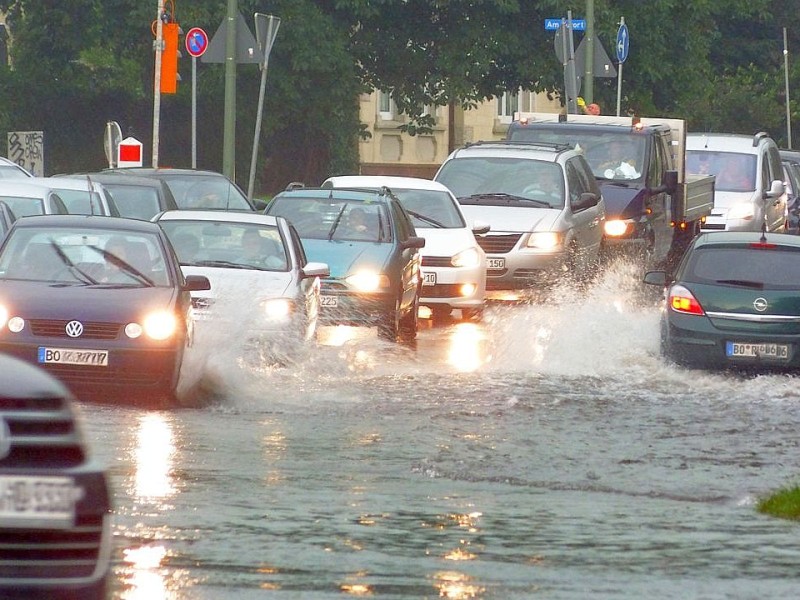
<point>197,283</point>
<point>776,189</point>
<point>480,228</point>
<point>414,242</point>
<point>586,200</point>
<point>658,278</point>
<point>316,269</point>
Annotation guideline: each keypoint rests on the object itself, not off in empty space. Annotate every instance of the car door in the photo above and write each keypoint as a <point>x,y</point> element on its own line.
<point>309,286</point>
<point>403,230</point>
<point>585,221</point>
<point>772,170</point>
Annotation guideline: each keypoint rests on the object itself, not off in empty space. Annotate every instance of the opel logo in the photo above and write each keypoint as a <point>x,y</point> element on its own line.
<point>5,439</point>
<point>74,329</point>
<point>760,304</point>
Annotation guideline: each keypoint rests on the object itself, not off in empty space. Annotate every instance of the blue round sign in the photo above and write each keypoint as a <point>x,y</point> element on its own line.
<point>623,43</point>
<point>196,42</point>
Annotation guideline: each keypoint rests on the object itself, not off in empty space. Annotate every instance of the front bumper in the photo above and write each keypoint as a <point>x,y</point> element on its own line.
<point>442,286</point>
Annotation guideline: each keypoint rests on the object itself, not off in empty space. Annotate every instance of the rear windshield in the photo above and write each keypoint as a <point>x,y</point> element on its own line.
<point>769,268</point>
<point>133,201</point>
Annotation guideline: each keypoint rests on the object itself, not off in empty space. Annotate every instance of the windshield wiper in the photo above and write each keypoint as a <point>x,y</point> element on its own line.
<point>742,283</point>
<point>428,220</point>
<point>221,263</point>
<point>476,198</point>
<point>84,276</point>
<point>121,264</point>
<point>336,221</point>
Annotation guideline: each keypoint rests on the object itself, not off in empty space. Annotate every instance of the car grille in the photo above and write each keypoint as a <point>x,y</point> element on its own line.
<point>441,290</point>
<point>91,331</point>
<point>145,373</point>
<point>52,554</point>
<point>42,432</point>
<point>712,226</point>
<point>437,261</point>
<point>498,244</point>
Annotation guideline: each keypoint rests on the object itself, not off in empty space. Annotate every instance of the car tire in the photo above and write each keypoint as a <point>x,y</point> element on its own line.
<point>409,323</point>
<point>389,325</point>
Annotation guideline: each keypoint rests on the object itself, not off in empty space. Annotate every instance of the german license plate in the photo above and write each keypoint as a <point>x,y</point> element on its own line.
<point>495,263</point>
<point>428,278</point>
<point>770,351</point>
<point>36,502</point>
<point>328,301</point>
<point>70,356</point>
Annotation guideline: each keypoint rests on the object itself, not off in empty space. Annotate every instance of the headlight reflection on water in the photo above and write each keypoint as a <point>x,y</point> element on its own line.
<point>457,586</point>
<point>464,352</point>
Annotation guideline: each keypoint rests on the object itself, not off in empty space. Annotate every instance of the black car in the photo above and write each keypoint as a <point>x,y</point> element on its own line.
<point>98,302</point>
<point>195,188</point>
<point>734,302</point>
<point>134,197</point>
<point>55,514</point>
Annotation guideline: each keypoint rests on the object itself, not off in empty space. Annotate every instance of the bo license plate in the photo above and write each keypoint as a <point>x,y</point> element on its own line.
<point>68,356</point>
<point>428,278</point>
<point>36,502</point>
<point>495,263</point>
<point>328,301</point>
<point>770,351</point>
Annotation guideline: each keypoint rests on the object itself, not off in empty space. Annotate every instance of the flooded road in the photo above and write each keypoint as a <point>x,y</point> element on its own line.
<point>545,453</point>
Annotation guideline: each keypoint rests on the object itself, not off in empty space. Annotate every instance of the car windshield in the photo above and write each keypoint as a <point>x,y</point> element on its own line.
<point>334,218</point>
<point>23,206</point>
<point>227,244</point>
<point>733,171</point>
<point>205,192</point>
<point>537,180</point>
<point>749,266</point>
<point>430,208</point>
<point>84,256</point>
<point>610,155</point>
<point>134,202</point>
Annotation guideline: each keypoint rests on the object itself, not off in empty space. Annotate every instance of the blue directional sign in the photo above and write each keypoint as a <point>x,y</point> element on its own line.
<point>623,43</point>
<point>553,24</point>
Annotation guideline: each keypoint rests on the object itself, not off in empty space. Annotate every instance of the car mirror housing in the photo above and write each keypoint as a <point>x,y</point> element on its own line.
<point>480,228</point>
<point>316,269</point>
<point>414,242</point>
<point>776,189</point>
<point>197,283</point>
<point>586,200</point>
<point>656,278</point>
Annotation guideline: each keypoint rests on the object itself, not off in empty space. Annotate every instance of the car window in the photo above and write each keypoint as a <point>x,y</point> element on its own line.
<point>774,169</point>
<point>777,268</point>
<point>206,192</point>
<point>430,208</point>
<point>134,202</point>
<point>24,207</point>
<point>82,202</point>
<point>734,171</point>
<point>334,218</point>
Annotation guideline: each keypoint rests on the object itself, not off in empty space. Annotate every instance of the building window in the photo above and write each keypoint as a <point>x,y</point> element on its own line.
<point>507,105</point>
<point>385,106</point>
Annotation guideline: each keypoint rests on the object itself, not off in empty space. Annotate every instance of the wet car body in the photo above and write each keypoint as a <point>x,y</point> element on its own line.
<point>117,340</point>
<point>135,197</point>
<point>7,219</point>
<point>734,302</point>
<point>81,196</point>
<point>25,198</point>
<point>270,302</point>
<point>375,278</point>
<point>55,529</point>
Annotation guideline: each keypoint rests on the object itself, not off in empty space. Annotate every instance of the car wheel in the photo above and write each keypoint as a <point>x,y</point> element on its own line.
<point>440,314</point>
<point>389,326</point>
<point>409,323</point>
<point>471,314</point>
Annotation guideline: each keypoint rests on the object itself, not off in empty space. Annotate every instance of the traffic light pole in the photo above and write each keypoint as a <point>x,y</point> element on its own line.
<point>229,128</point>
<point>159,48</point>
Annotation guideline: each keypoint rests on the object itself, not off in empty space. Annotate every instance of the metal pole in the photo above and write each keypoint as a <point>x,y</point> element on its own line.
<point>786,77</point>
<point>159,48</point>
<point>572,94</point>
<point>588,75</point>
<point>194,112</point>
<point>619,74</point>
<point>229,130</point>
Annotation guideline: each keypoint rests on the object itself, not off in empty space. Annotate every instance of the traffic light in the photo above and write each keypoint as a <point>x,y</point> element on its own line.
<point>169,59</point>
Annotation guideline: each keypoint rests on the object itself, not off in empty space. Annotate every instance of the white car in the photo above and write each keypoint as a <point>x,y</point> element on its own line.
<point>453,264</point>
<point>81,195</point>
<point>11,170</point>
<point>26,199</point>
<point>264,292</point>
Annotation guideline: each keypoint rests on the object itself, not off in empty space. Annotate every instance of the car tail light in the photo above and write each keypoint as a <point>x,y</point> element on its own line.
<point>683,301</point>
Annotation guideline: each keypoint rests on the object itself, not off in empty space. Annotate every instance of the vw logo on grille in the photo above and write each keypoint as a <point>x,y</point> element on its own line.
<point>5,439</point>
<point>760,304</point>
<point>74,329</point>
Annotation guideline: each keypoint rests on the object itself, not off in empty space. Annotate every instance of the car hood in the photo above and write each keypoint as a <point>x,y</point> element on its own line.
<point>344,257</point>
<point>41,300</point>
<point>241,283</point>
<point>728,199</point>
<point>511,218</point>
<point>445,242</point>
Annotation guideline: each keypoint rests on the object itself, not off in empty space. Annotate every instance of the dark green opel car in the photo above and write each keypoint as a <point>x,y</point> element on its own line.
<point>734,302</point>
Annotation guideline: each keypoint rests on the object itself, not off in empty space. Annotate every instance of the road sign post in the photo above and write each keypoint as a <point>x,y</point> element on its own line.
<point>623,47</point>
<point>196,45</point>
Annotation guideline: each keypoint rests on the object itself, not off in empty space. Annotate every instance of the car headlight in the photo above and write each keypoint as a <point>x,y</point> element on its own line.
<point>368,281</point>
<point>466,258</point>
<point>278,309</point>
<point>615,228</point>
<point>3,316</point>
<point>160,325</point>
<point>544,240</point>
<point>741,211</point>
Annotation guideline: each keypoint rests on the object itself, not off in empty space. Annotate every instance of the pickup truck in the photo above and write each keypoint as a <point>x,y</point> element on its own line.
<point>653,208</point>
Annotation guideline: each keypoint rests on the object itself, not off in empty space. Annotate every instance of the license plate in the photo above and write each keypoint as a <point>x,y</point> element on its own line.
<point>773,351</point>
<point>68,356</point>
<point>328,301</point>
<point>36,502</point>
<point>428,278</point>
<point>495,263</point>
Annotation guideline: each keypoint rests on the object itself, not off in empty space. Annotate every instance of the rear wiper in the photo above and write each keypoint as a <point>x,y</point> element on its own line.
<point>476,198</point>
<point>742,283</point>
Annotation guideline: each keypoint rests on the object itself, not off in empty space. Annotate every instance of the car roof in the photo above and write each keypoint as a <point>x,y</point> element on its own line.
<point>727,142</point>
<point>106,177</point>
<point>337,194</point>
<point>745,237</point>
<point>24,188</point>
<point>163,171</point>
<point>65,182</point>
<point>540,151</point>
<point>390,181</point>
<point>218,216</point>
<point>92,221</point>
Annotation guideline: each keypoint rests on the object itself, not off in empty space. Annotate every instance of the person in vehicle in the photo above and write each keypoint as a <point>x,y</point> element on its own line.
<point>357,225</point>
<point>620,163</point>
<point>733,175</point>
<point>258,251</point>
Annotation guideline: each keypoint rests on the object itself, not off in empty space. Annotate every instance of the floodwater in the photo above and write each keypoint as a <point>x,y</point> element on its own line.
<point>546,453</point>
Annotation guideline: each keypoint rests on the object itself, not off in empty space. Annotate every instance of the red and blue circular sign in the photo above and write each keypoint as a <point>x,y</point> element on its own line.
<point>196,42</point>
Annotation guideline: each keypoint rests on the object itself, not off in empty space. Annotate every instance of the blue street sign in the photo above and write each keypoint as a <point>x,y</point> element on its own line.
<point>553,24</point>
<point>623,43</point>
<point>196,42</point>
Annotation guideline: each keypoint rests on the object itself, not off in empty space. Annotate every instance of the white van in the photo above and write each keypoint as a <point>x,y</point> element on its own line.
<point>749,188</point>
